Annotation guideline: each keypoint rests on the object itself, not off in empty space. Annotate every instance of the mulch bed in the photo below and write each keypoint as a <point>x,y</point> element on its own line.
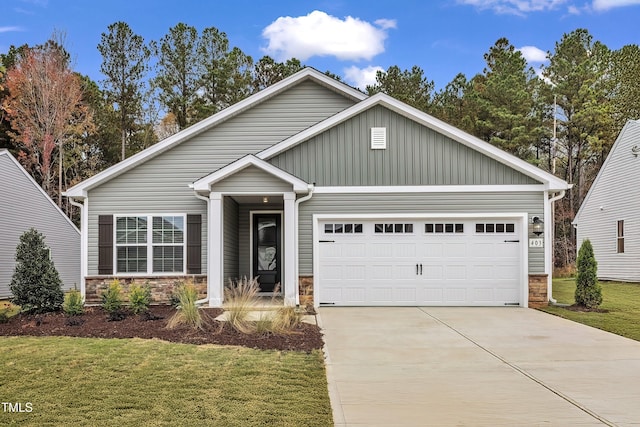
<point>94,323</point>
<point>584,309</point>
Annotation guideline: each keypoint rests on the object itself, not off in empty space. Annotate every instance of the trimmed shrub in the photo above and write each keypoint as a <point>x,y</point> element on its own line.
<point>112,301</point>
<point>73,304</point>
<point>36,284</point>
<point>139,298</point>
<point>588,291</point>
<point>187,312</point>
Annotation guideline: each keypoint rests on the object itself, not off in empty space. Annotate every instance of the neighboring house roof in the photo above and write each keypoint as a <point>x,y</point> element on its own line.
<point>550,181</point>
<point>603,170</point>
<point>5,152</point>
<point>205,183</point>
<point>81,189</point>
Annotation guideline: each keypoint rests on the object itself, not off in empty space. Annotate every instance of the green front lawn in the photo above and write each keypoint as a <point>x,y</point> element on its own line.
<point>134,382</point>
<point>621,300</point>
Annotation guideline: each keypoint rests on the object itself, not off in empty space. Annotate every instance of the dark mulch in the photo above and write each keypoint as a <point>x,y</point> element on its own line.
<point>582,308</point>
<point>94,323</point>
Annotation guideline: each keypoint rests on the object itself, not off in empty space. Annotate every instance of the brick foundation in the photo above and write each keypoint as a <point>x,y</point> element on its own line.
<point>305,288</point>
<point>161,287</point>
<point>538,291</point>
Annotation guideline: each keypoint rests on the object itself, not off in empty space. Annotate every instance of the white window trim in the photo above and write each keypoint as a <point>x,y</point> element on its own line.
<point>149,244</point>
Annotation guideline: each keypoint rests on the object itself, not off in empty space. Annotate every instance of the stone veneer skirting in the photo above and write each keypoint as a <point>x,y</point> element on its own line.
<point>161,287</point>
<point>538,291</point>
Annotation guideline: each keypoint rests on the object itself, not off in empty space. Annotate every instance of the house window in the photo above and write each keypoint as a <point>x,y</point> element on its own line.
<point>137,243</point>
<point>620,240</point>
<point>393,228</point>
<point>447,228</point>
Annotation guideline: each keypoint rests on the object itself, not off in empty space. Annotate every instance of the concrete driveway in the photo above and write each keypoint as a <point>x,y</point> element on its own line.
<point>426,366</point>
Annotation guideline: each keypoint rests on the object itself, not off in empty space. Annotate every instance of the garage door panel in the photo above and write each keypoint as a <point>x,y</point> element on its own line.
<point>400,266</point>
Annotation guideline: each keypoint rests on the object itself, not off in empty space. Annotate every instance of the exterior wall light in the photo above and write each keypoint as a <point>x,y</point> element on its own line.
<point>265,199</point>
<point>538,226</point>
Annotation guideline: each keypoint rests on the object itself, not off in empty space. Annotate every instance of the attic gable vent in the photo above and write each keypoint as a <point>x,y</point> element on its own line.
<point>378,138</point>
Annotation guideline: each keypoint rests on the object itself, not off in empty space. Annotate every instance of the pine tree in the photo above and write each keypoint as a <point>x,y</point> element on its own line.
<point>588,291</point>
<point>36,284</point>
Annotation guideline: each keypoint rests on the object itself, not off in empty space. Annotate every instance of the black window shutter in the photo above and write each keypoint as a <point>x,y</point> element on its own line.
<point>105,244</point>
<point>194,244</point>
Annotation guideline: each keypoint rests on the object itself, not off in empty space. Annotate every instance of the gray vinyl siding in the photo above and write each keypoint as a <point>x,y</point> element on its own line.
<point>615,196</point>
<point>24,206</point>
<point>230,214</point>
<point>160,185</point>
<point>252,179</point>
<point>415,155</point>
<point>419,203</point>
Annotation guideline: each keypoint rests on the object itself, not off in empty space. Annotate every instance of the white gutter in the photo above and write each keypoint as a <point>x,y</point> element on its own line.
<point>206,199</point>
<point>297,252</point>
<point>83,250</point>
<point>550,279</point>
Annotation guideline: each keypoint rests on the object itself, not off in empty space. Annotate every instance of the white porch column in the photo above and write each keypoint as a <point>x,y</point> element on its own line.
<point>290,256</point>
<point>214,264</point>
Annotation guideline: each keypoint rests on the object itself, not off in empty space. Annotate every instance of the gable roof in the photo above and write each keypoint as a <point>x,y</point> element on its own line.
<point>619,141</point>
<point>550,181</point>
<point>205,183</point>
<point>5,152</point>
<point>80,190</point>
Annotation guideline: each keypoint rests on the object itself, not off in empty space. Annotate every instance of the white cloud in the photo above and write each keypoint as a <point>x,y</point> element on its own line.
<point>602,5</point>
<point>515,7</point>
<point>533,54</point>
<point>9,29</point>
<point>573,10</point>
<point>361,77</point>
<point>319,34</point>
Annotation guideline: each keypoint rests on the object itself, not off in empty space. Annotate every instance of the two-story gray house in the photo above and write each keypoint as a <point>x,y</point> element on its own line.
<point>326,195</point>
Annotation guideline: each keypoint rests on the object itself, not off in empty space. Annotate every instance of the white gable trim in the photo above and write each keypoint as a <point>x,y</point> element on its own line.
<point>4,152</point>
<point>204,184</point>
<point>80,190</point>
<point>550,181</point>
<point>602,170</point>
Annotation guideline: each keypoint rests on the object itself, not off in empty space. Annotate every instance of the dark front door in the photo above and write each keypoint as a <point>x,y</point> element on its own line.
<point>267,250</point>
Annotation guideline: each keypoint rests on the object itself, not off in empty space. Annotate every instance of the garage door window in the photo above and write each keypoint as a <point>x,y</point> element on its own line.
<point>445,228</point>
<point>342,228</point>
<point>495,227</point>
<point>393,228</point>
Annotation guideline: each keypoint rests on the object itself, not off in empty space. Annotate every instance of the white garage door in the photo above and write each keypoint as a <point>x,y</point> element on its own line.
<point>469,262</point>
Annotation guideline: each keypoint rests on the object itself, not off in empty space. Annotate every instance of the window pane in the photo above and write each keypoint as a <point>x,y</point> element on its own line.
<point>428,228</point>
<point>459,228</point>
<point>358,228</point>
<point>439,228</point>
<point>510,228</point>
<point>131,259</point>
<point>479,228</point>
<point>408,228</point>
<point>328,228</point>
<point>398,228</point>
<point>499,228</point>
<point>490,228</point>
<point>131,230</point>
<point>621,228</point>
<point>348,228</point>
<point>388,228</point>
<point>448,228</point>
<point>167,259</point>
<point>621,245</point>
<point>379,228</point>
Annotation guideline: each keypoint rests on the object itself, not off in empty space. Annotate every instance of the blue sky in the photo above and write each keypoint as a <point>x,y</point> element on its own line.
<point>349,38</point>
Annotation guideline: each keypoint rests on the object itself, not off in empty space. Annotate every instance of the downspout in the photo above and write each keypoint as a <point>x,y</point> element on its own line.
<point>206,199</point>
<point>297,252</point>
<point>551,201</point>
<point>83,255</point>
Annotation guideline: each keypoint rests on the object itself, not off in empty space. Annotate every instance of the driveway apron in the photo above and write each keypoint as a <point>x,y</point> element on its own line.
<point>441,366</point>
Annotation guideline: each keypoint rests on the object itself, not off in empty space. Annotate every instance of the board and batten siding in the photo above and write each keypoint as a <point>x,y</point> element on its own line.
<point>231,239</point>
<point>415,155</point>
<point>23,206</point>
<point>160,185</point>
<point>615,196</point>
<point>418,203</point>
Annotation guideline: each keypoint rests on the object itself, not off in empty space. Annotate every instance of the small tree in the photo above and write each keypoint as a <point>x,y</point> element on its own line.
<point>36,284</point>
<point>588,291</point>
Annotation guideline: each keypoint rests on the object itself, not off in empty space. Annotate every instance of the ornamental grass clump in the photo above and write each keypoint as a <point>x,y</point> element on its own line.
<point>73,303</point>
<point>240,299</point>
<point>139,298</point>
<point>286,320</point>
<point>112,301</point>
<point>187,312</point>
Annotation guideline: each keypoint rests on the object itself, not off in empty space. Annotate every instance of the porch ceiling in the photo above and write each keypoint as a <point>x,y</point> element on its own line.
<point>274,200</point>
